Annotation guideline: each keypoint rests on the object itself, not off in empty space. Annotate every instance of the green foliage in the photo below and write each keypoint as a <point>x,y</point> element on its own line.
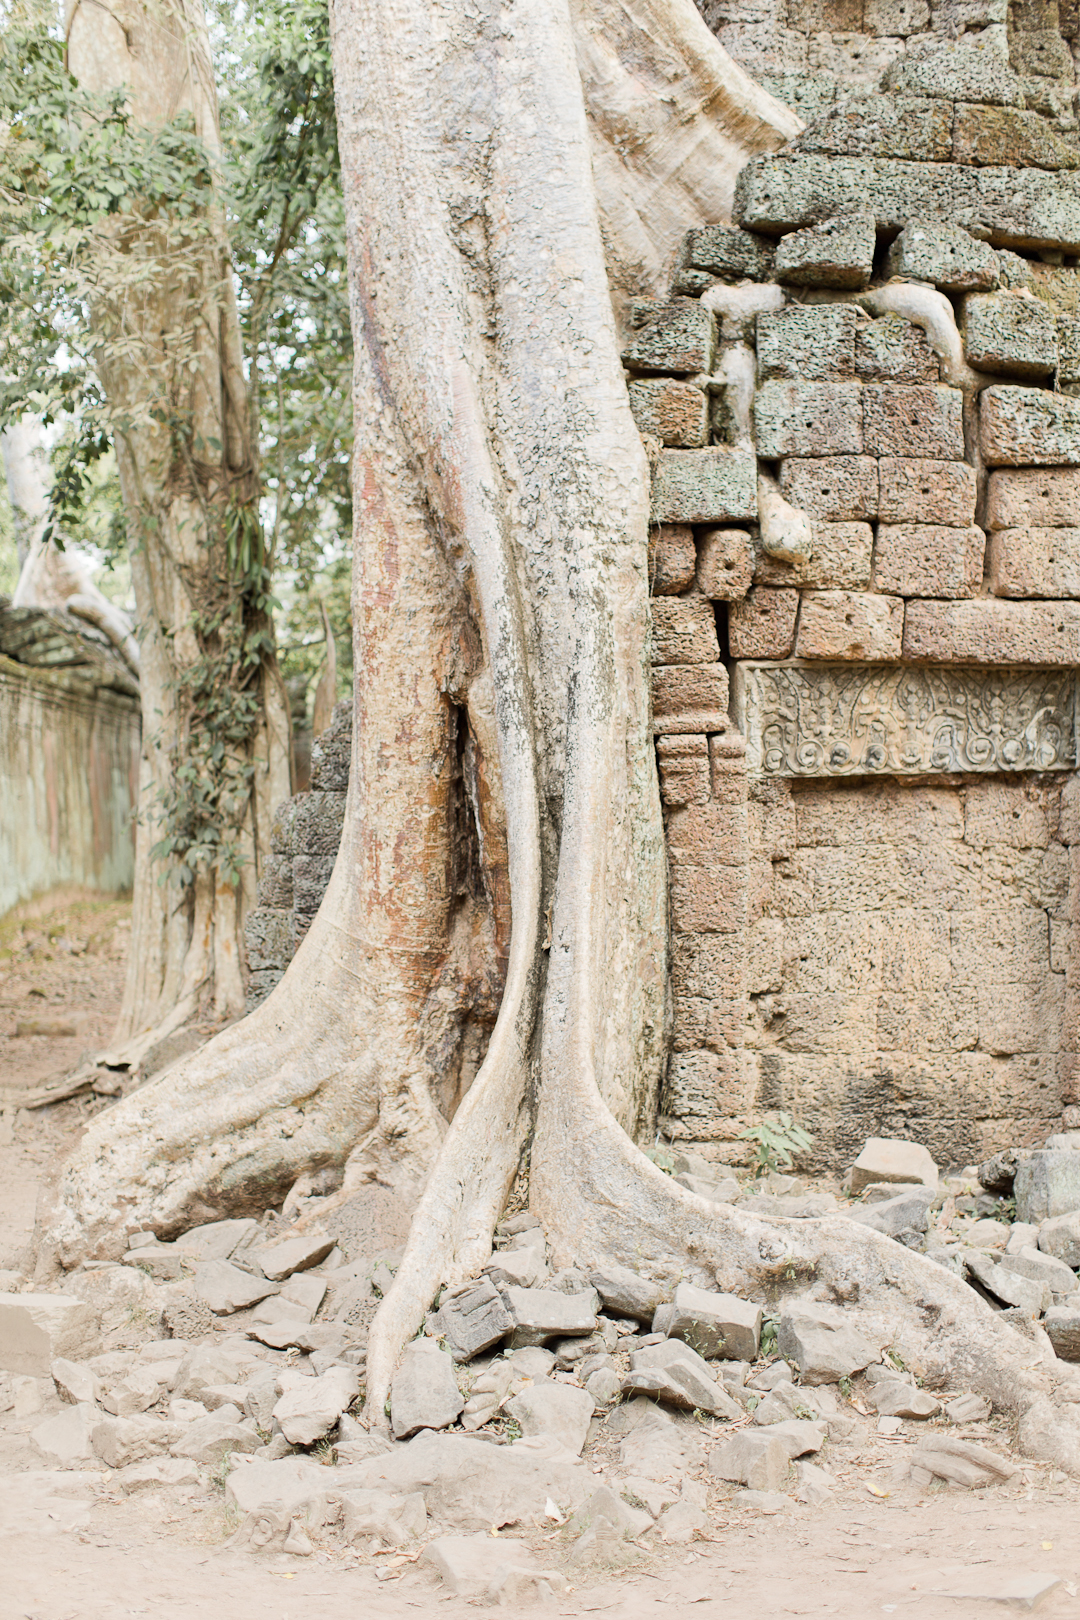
<point>9,561</point>
<point>778,1139</point>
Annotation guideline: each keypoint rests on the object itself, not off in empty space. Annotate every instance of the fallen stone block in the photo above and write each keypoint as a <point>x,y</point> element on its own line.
<point>1041,1268</point>
<point>673,1372</point>
<point>907,1212</point>
<point>211,1439</point>
<point>288,1485</point>
<point>136,1392</point>
<point>901,1400</point>
<point>968,1409</point>
<point>540,1314</point>
<point>36,1329</point>
<point>201,1367</point>
<point>801,1436</point>
<point>604,1506</point>
<point>1047,1184</point>
<point>75,1381</point>
<point>225,1288</point>
<point>161,1261</point>
<point>1021,1292</point>
<point>383,1517</point>
<point>216,1240</point>
<point>712,1324</point>
<point>822,1343</point>
<point>516,1268</point>
<point>67,1438</point>
<point>1060,1237</point>
<point>558,1410</point>
<point>1016,1591</point>
<point>424,1393</point>
<point>307,1413</point>
<point>754,1457</point>
<point>495,1570</point>
<point>292,1332</point>
<point>279,1260</point>
<point>627,1293</point>
<point>119,1441</point>
<point>891,1159</point>
<point>1062,1324</point>
<point>157,1474</point>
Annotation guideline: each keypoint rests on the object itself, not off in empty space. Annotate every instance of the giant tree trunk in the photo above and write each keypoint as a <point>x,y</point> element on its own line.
<point>500,620</point>
<point>171,366</point>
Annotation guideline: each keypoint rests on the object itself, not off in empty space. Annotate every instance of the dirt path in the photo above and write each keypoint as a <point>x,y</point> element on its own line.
<point>72,1548</point>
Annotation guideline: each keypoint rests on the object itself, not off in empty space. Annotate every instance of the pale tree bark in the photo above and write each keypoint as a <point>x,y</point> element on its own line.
<point>173,374</point>
<point>500,598</point>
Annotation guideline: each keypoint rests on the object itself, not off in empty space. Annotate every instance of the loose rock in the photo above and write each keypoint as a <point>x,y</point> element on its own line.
<point>754,1457</point>
<point>713,1324</point>
<point>558,1410</point>
<point>280,1260</point>
<point>890,1158</point>
<point>819,1341</point>
<point>626,1293</point>
<point>307,1413</point>
<point>37,1329</point>
<point>424,1394</point>
<point>471,1318</point>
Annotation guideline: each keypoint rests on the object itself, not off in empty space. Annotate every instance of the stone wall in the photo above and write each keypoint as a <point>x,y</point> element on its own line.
<point>69,760</point>
<point>866,491</point>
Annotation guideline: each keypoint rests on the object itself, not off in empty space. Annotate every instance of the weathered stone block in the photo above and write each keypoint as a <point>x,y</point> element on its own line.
<point>317,823</point>
<point>268,937</point>
<point>1068,350</point>
<point>850,624</point>
<point>708,899</point>
<point>684,630</point>
<point>683,764</point>
<point>892,349</point>
<point>1011,333</point>
<point>275,883</point>
<point>1031,496</point>
<point>868,124</point>
<point>708,835</point>
<point>896,18</point>
<point>676,413</point>
<point>833,489</point>
<point>754,1458</point>
<point>689,697</point>
<point>712,1324</point>
<point>955,73</point>
<point>37,1329</point>
<point>918,490</point>
<point>1035,562</point>
<point>822,1342</point>
<point>703,1087</point>
<point>1062,1324</point>
<point>725,564</point>
<point>471,1318</point>
<point>891,1159</point>
<point>1047,1184</point>
<point>1028,427</point>
<point>808,419</point>
<point>731,254</point>
<point>705,486</point>
<point>672,558</point>
<point>923,559</point>
<point>331,753</point>
<point>931,250</point>
<point>999,135</point>
<point>424,1394</point>
<point>993,632</point>
<point>807,342</point>
<point>763,624</point>
<point>1060,1236</point>
<point>1026,208</point>
<point>903,420</point>
<point>837,253</point>
<point>839,560</point>
<point>311,875</point>
<point>679,336</point>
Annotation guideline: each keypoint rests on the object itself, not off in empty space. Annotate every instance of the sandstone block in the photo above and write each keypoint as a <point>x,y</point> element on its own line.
<point>1008,135</point>
<point>471,1318</point>
<point>807,342</point>
<point>895,1398</point>
<point>869,124</point>
<point>683,763</point>
<point>1047,1184</point>
<point>120,1441</point>
<point>225,1288</point>
<point>627,1293</point>
<point>684,630</point>
<point>762,625</point>
<point>67,1439</point>
<point>558,1410</point>
<point>832,489</point>
<point>674,412</point>
<point>1062,1324</point>
<point>1060,1237</point>
<point>689,697</point>
<point>917,490</point>
<point>679,336</point>
<point>731,254</point>
<point>1026,208</point>
<point>712,1324</point>
<point>839,560</point>
<point>993,632</point>
<point>821,1342</point>
<point>725,564</point>
<point>907,1212</point>
<point>837,253</point>
<point>931,250</point>
<point>672,559</point>
<point>1010,332</point>
<point>715,485</point>
<point>955,73</point>
<point>280,1260</point>
<point>1041,1268</point>
<point>891,1159</point>
<point>209,1441</point>
<point>904,420</point>
<point>708,835</point>
<point>1035,562</point>
<point>923,559</point>
<point>1029,427</point>
<point>540,1314</point>
<point>1033,496</point>
<point>424,1393</point>
<point>708,900</point>
<point>850,624</point>
<point>808,419</point>
<point>312,1406</point>
<point>754,1458</point>
<point>37,1329</point>
<point>892,349</point>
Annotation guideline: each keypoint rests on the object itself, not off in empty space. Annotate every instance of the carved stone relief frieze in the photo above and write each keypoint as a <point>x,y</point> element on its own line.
<point>821,719</point>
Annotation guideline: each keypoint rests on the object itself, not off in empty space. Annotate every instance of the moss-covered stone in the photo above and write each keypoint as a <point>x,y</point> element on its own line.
<point>869,124</point>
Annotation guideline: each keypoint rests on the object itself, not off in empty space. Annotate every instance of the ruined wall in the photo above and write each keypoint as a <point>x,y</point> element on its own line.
<point>866,577</point>
<point>69,762</point>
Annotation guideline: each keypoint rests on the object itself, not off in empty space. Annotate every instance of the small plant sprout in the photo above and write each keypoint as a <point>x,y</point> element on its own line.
<point>778,1139</point>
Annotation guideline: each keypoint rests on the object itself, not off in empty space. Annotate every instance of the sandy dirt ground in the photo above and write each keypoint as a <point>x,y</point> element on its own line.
<point>73,1548</point>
